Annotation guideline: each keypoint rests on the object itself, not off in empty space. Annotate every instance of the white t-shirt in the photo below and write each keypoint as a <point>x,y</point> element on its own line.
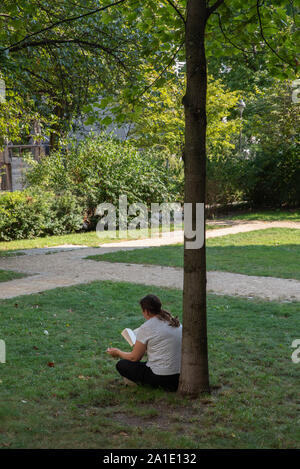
<point>163,346</point>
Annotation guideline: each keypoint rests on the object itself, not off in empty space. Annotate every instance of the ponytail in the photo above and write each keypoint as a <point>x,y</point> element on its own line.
<point>166,316</point>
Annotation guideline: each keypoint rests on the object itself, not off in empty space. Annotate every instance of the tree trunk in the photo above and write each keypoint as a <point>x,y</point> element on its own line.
<point>194,378</point>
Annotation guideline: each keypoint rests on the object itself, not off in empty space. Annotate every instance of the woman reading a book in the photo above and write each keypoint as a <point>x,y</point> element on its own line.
<point>159,337</point>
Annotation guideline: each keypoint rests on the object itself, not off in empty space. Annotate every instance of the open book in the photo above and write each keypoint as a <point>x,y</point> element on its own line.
<point>129,335</point>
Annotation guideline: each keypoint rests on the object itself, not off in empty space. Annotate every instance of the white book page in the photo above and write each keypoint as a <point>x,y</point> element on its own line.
<point>129,335</point>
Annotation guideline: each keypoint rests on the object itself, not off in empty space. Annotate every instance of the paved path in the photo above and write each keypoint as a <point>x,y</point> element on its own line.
<point>68,267</point>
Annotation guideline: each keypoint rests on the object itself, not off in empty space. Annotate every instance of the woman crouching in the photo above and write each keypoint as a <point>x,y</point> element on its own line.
<point>160,337</point>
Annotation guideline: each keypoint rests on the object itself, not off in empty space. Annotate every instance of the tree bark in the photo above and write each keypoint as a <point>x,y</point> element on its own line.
<point>194,378</point>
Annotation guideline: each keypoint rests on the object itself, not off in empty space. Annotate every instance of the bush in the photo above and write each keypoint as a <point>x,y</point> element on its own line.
<point>101,168</point>
<point>268,177</point>
<point>222,185</point>
<point>272,177</point>
<point>28,214</point>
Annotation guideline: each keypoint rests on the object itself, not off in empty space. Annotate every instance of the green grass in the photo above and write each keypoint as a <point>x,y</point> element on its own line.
<point>6,275</point>
<point>11,253</point>
<point>81,402</point>
<point>85,239</point>
<point>265,215</point>
<point>88,239</point>
<point>91,239</point>
<point>271,252</point>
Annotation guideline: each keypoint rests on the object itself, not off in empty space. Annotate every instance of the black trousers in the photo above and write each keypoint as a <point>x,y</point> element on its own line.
<point>140,373</point>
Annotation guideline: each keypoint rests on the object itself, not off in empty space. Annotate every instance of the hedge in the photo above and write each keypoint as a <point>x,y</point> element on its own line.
<point>29,214</point>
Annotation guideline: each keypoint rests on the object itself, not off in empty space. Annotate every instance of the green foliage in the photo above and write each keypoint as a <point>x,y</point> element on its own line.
<point>223,123</point>
<point>9,122</point>
<point>64,65</point>
<point>158,120</point>
<point>101,168</point>
<point>261,36</point>
<point>223,180</point>
<point>273,177</point>
<point>125,54</point>
<point>17,117</point>
<point>265,170</point>
<point>272,168</point>
<point>30,213</point>
<point>65,55</point>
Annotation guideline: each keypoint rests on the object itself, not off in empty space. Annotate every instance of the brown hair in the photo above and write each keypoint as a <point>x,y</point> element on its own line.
<point>152,304</point>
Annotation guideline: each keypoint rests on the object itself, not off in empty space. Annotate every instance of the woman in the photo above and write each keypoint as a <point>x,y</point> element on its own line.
<point>159,337</point>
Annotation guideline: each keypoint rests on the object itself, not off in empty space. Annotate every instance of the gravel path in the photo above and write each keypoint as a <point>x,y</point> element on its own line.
<point>66,266</point>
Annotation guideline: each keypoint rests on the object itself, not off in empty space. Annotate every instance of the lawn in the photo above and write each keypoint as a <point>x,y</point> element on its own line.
<point>265,215</point>
<point>91,239</point>
<point>86,239</point>
<point>6,275</point>
<point>271,252</point>
<point>60,390</point>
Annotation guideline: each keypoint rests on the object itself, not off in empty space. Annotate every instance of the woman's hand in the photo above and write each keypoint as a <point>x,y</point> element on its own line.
<point>135,355</point>
<point>114,352</point>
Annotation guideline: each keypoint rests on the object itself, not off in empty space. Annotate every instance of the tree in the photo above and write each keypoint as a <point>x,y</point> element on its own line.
<point>249,20</point>
<point>63,64</point>
<point>17,116</point>
<point>272,138</point>
<point>205,27</point>
<point>159,119</point>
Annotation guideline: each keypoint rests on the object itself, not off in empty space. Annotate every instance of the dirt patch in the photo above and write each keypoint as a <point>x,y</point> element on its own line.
<point>160,416</point>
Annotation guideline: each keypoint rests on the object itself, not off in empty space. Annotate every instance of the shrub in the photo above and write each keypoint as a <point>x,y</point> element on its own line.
<point>268,177</point>
<point>101,168</point>
<point>222,185</point>
<point>273,177</point>
<point>29,214</point>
